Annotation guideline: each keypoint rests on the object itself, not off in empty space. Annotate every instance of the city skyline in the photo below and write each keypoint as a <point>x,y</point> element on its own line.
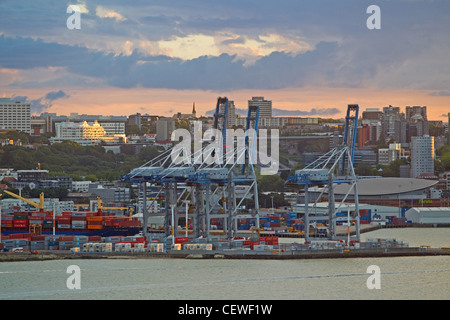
<point>160,58</point>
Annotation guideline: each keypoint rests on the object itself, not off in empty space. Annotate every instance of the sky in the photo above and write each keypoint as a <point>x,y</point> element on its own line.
<point>310,57</point>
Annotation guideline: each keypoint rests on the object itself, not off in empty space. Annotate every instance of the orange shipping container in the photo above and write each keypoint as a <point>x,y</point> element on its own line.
<point>95,218</point>
<point>94,226</point>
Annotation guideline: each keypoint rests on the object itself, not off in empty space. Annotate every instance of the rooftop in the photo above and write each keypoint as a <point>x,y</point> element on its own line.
<point>385,186</point>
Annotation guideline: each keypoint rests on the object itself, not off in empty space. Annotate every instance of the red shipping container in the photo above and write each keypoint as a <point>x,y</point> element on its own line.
<point>275,224</point>
<point>37,238</point>
<point>94,238</point>
<point>16,236</point>
<point>78,218</point>
<point>181,239</point>
<point>36,217</point>
<point>65,238</point>
<point>62,218</point>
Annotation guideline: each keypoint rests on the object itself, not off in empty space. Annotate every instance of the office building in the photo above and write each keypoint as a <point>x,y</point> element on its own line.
<point>372,114</point>
<point>15,115</point>
<point>113,125</point>
<point>265,106</point>
<point>85,134</point>
<point>394,124</point>
<point>387,155</point>
<point>164,129</point>
<point>422,155</point>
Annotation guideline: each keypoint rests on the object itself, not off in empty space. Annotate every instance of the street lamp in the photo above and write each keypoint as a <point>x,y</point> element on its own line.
<point>272,205</point>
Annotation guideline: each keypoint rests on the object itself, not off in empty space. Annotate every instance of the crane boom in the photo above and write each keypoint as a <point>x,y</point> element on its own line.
<point>39,205</point>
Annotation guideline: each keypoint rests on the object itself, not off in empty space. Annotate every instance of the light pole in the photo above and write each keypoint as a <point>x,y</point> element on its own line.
<point>173,225</point>
<point>187,221</point>
<point>272,205</point>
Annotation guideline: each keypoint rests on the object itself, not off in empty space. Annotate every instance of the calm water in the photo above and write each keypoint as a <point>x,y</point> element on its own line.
<point>401,278</point>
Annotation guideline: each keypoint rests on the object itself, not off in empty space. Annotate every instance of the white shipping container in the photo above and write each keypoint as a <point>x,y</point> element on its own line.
<point>155,247</point>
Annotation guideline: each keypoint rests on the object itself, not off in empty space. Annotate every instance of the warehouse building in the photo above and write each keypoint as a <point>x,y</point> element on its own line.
<point>429,215</point>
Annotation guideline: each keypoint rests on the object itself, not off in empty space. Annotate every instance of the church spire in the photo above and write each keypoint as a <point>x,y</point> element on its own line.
<point>193,110</point>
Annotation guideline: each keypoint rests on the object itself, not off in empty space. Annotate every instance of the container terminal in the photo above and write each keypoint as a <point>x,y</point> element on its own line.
<point>203,206</point>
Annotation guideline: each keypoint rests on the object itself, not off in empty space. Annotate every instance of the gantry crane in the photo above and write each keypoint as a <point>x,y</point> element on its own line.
<point>334,167</point>
<point>203,188</point>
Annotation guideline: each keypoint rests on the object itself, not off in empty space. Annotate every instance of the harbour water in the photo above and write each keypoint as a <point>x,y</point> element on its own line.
<point>217,279</point>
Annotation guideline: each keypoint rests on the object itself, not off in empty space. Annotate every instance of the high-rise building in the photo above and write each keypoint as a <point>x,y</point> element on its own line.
<point>372,114</point>
<point>164,129</point>
<point>448,128</point>
<point>417,122</point>
<point>265,106</point>
<point>416,111</point>
<point>363,135</point>
<point>15,115</point>
<point>231,114</point>
<point>394,124</point>
<point>422,155</point>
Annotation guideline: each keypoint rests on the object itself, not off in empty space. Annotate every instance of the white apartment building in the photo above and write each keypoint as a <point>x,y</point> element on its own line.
<point>81,186</point>
<point>15,115</point>
<point>422,155</point>
<point>84,134</point>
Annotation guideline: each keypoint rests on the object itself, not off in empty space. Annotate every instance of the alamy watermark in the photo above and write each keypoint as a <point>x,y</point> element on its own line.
<point>374,21</point>
<point>235,146</point>
<point>73,282</point>
<point>374,281</point>
<point>74,20</point>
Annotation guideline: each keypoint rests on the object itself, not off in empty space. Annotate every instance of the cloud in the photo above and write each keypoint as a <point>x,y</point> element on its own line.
<point>54,95</point>
<point>102,12</point>
<point>233,44</point>
<point>440,94</point>
<point>40,105</point>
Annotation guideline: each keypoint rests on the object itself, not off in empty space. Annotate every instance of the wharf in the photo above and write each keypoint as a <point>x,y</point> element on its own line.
<point>341,231</point>
<point>236,254</point>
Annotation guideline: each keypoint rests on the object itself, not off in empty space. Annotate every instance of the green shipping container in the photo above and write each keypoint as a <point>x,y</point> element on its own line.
<point>20,217</point>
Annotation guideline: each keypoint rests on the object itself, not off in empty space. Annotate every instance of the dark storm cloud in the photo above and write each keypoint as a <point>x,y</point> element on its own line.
<point>410,51</point>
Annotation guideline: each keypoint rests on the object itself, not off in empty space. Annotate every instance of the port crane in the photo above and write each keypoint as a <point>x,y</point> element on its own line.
<point>39,205</point>
<point>334,167</point>
<point>100,208</point>
<point>202,187</point>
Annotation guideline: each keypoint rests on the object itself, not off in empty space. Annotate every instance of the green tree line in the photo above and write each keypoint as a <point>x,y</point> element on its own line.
<point>71,159</point>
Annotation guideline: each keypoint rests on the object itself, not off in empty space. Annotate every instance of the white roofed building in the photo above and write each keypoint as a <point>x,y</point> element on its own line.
<point>429,215</point>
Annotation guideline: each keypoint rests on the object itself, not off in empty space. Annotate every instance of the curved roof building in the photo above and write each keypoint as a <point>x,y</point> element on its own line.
<point>386,187</point>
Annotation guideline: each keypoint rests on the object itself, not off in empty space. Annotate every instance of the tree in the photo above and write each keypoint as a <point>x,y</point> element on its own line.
<point>364,169</point>
<point>271,183</point>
